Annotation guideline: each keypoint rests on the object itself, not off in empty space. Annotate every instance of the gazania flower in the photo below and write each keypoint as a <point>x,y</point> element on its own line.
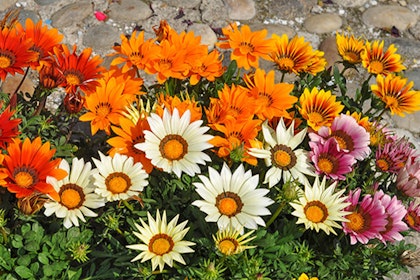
<point>162,242</point>
<point>208,67</point>
<point>320,208</point>
<point>408,178</point>
<point>8,127</point>
<point>281,155</point>
<point>175,144</point>
<point>329,160</point>
<point>182,104</point>
<point>76,192</point>
<point>393,155</point>
<point>319,107</point>
<point>132,83</point>
<point>273,99</point>
<point>231,242</point>
<point>80,70</point>
<point>27,166</point>
<point>350,48</point>
<point>378,62</point>
<point>247,46</point>
<point>397,94</point>
<point>50,77</point>
<point>318,63</point>
<point>396,212</point>
<point>303,276</point>
<point>15,52</point>
<point>232,199</point>
<point>412,218</point>
<point>105,105</point>
<point>118,177</point>
<point>351,137</point>
<point>366,220</point>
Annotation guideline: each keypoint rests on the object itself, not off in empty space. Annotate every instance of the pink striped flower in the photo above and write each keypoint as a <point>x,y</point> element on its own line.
<point>392,156</point>
<point>408,179</point>
<point>412,218</point>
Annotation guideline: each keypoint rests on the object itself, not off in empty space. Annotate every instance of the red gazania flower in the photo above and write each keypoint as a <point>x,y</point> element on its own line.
<point>8,127</point>
<point>27,166</point>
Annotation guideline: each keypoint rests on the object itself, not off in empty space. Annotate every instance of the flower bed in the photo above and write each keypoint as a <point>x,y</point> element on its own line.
<point>217,170</point>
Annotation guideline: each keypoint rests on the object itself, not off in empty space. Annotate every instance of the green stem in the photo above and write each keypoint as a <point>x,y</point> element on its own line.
<point>4,233</point>
<point>13,97</point>
<point>275,215</point>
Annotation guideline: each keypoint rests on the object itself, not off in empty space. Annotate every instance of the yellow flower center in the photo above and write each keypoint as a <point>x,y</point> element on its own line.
<point>283,157</point>
<point>246,48</point>
<point>325,164</point>
<point>344,141</point>
<point>265,99</point>
<point>102,109</point>
<point>161,244</point>
<point>391,102</point>
<point>315,211</point>
<point>356,222</point>
<point>376,67</point>
<point>229,204</point>
<point>315,117</point>
<point>352,57</point>
<point>5,62</point>
<point>228,246</point>
<point>173,147</point>
<point>73,79</point>
<point>25,177</point>
<point>118,182</point>
<point>383,164</point>
<point>285,63</point>
<point>410,219</point>
<point>71,196</point>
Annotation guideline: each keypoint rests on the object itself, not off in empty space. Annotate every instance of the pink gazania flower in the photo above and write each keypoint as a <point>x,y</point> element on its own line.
<point>408,178</point>
<point>412,218</point>
<point>393,155</point>
<point>351,137</point>
<point>329,160</point>
<point>366,220</point>
<point>396,212</point>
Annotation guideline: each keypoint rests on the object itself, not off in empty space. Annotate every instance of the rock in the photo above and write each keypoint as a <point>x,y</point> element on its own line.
<point>24,14</point>
<point>387,16</point>
<point>413,75</point>
<point>6,4</point>
<point>409,49</point>
<point>241,9</point>
<point>214,12</point>
<point>10,84</point>
<point>274,29</point>
<point>208,37</point>
<point>285,9</point>
<point>352,3</point>
<point>183,3</point>
<point>329,47</point>
<point>71,14</point>
<point>129,11</point>
<point>109,35</point>
<point>410,122</point>
<point>45,2</point>
<point>323,23</point>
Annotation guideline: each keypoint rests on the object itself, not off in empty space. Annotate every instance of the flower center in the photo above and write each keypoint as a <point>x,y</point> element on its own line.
<point>356,222</point>
<point>173,147</point>
<point>315,211</point>
<point>161,244</point>
<point>384,164</point>
<point>285,63</point>
<point>265,99</point>
<point>72,196</point>
<point>73,79</point>
<point>228,246</point>
<point>25,177</point>
<point>411,218</point>
<point>345,142</point>
<point>391,102</point>
<point>376,67</point>
<point>283,157</point>
<point>102,109</point>
<point>352,57</point>
<point>7,58</point>
<point>327,163</point>
<point>315,117</point>
<point>117,182</point>
<point>229,204</point>
<point>246,47</point>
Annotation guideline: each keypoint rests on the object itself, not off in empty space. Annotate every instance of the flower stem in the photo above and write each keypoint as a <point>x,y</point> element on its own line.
<point>275,215</point>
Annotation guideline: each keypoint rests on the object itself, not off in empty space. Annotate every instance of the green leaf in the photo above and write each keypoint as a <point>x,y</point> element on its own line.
<point>74,275</point>
<point>43,258</point>
<point>24,272</point>
<point>24,260</point>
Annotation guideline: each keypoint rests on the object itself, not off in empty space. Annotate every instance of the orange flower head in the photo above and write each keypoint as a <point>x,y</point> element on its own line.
<point>132,83</point>
<point>162,32</point>
<point>27,166</point>
<point>105,106</point>
<point>44,40</point>
<point>319,107</point>
<point>378,62</point>
<point>10,19</point>
<point>317,64</point>
<point>273,99</point>
<point>182,104</point>
<point>8,127</point>
<point>397,95</point>
<point>247,46</point>
<point>350,48</point>
<point>15,52</point>
<point>80,70</point>
<point>50,77</point>
<point>73,102</point>
<point>208,66</point>
<point>128,135</point>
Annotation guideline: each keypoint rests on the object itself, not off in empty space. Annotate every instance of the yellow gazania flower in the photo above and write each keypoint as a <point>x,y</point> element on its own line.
<point>350,48</point>
<point>376,61</point>
<point>303,276</point>
<point>397,94</point>
<point>229,242</point>
<point>319,107</point>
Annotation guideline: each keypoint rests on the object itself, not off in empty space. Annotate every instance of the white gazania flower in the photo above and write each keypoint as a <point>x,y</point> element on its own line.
<point>320,208</point>
<point>174,144</point>
<point>230,242</point>
<point>281,154</point>
<point>119,177</point>
<point>232,200</point>
<point>76,193</point>
<point>162,242</point>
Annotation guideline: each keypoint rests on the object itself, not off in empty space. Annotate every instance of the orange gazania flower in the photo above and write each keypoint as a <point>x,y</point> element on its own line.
<point>132,84</point>
<point>318,63</point>
<point>208,66</point>
<point>319,107</point>
<point>191,44</point>
<point>44,39</point>
<point>376,61</point>
<point>8,127</point>
<point>129,134</point>
<point>182,104</point>
<point>27,166</point>
<point>273,99</point>
<point>80,70</point>
<point>350,48</point>
<point>105,106</point>
<point>50,77</point>
<point>15,52</point>
<point>397,94</point>
<point>162,32</point>
<point>247,46</point>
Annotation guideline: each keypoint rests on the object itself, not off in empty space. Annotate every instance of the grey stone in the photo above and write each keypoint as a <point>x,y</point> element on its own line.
<point>6,4</point>
<point>274,29</point>
<point>214,12</point>
<point>129,11</point>
<point>387,16</point>
<point>323,23</point>
<point>329,47</point>
<point>183,3</point>
<point>409,49</point>
<point>241,9</point>
<point>208,37</point>
<point>285,9</point>
<point>24,14</point>
<point>414,75</point>
<point>71,14</point>
<point>108,36</point>
<point>410,122</point>
<point>45,2</point>
<point>351,3</point>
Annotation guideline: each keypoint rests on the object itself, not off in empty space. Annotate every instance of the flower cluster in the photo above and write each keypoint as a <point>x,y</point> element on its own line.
<point>270,171</point>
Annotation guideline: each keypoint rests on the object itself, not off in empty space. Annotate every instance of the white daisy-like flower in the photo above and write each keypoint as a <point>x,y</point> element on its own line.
<point>281,154</point>
<point>232,200</point>
<point>162,241</point>
<point>119,177</point>
<point>76,191</point>
<point>174,144</point>
<point>320,208</point>
<point>231,242</point>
